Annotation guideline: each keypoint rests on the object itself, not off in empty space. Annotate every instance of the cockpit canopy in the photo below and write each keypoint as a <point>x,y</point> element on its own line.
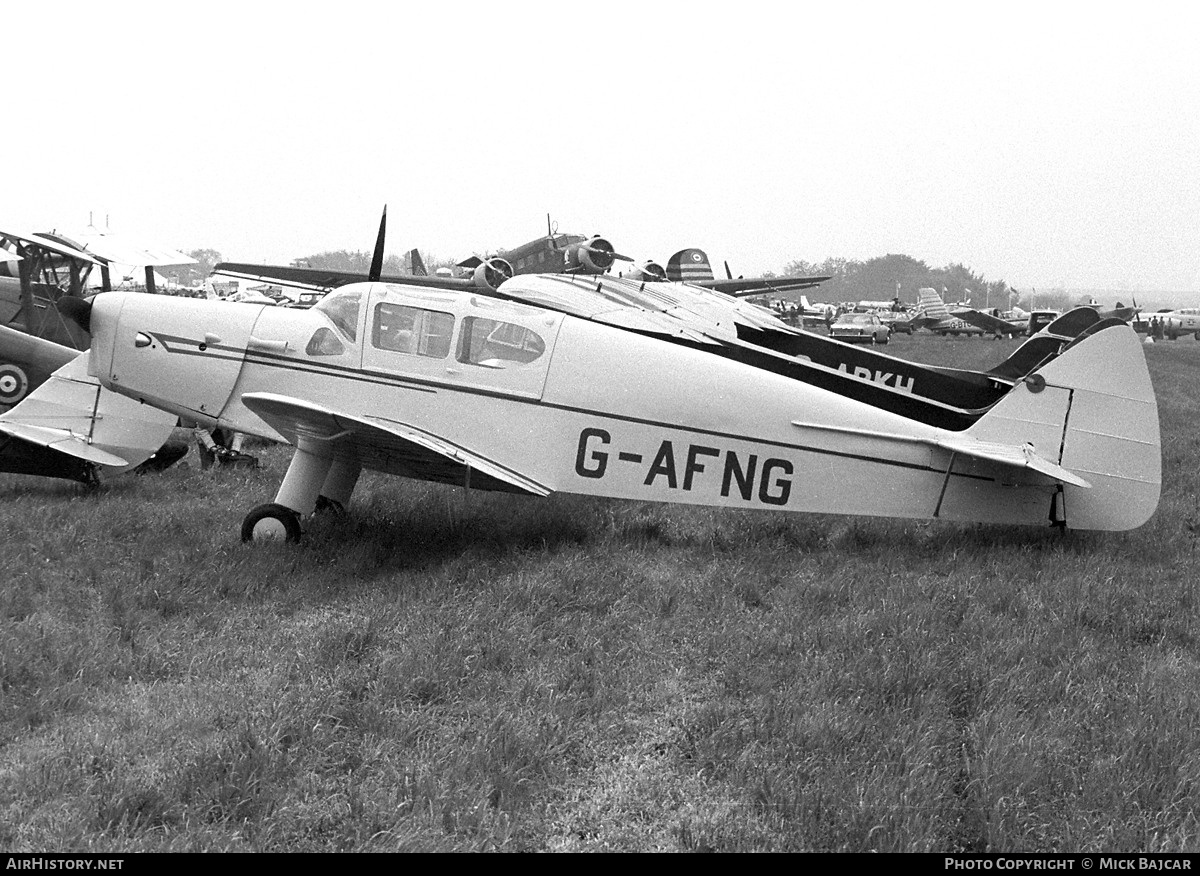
<point>342,307</point>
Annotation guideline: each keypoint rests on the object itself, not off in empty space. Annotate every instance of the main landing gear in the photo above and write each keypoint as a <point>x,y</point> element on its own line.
<point>315,481</point>
<point>272,522</point>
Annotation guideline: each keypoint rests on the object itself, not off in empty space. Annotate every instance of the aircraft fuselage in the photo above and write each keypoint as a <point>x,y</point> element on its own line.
<point>569,404</point>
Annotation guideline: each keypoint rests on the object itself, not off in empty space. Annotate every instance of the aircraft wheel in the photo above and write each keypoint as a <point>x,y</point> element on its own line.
<point>271,522</point>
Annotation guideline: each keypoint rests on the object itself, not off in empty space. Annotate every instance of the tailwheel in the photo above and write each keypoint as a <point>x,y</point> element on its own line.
<point>271,522</point>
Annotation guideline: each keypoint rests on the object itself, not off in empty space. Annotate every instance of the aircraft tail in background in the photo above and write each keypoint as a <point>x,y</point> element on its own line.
<point>689,265</point>
<point>417,264</point>
<point>931,305</point>
<point>26,362</point>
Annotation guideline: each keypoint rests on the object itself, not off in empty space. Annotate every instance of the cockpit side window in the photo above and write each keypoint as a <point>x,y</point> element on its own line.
<point>403,329</point>
<point>342,308</point>
<point>495,344</point>
<point>324,343</point>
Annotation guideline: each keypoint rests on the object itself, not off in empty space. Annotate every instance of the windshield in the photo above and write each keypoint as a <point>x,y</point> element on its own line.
<point>857,318</point>
<point>342,308</point>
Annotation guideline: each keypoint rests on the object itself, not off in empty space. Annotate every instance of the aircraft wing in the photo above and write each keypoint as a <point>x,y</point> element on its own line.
<point>759,285</point>
<point>125,251</point>
<point>34,239</point>
<point>387,445</point>
<point>318,279</point>
<point>985,321</point>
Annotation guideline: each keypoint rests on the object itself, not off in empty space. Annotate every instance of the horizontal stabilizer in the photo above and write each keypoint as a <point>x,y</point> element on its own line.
<point>72,413</point>
<point>61,440</point>
<point>1011,455</point>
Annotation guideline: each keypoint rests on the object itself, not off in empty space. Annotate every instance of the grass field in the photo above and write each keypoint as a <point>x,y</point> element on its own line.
<point>575,674</point>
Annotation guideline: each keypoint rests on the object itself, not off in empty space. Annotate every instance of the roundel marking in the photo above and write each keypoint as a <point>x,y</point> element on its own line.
<point>14,383</point>
<point>696,256</point>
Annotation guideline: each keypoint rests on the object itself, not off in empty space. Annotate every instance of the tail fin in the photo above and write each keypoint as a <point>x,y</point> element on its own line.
<point>1091,411</point>
<point>26,362</point>
<point>688,265</point>
<point>417,264</point>
<point>930,304</point>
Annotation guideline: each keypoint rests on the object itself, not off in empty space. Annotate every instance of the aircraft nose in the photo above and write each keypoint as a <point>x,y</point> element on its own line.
<point>77,310</point>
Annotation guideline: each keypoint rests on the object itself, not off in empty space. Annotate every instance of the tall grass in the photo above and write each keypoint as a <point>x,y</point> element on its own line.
<point>570,674</point>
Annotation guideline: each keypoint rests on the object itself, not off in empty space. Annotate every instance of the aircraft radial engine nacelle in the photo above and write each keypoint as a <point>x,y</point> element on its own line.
<point>593,256</point>
<point>648,272</point>
<point>491,273</point>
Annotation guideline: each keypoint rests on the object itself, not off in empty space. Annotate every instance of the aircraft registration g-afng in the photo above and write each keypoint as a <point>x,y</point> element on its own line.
<point>586,391</point>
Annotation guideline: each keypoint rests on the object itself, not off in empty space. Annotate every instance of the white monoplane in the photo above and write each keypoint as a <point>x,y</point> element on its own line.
<point>495,394</point>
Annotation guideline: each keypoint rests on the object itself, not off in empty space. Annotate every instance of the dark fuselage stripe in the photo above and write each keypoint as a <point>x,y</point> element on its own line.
<point>417,384</point>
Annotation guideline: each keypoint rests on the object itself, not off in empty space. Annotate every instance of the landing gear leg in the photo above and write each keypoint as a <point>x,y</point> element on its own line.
<point>339,486</point>
<point>297,497</point>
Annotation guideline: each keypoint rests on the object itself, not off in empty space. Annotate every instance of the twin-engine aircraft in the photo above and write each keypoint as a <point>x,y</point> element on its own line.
<point>649,391</point>
<point>572,254</point>
<point>555,253</point>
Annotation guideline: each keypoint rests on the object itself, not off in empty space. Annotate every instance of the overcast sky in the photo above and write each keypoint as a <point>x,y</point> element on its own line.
<point>1046,144</point>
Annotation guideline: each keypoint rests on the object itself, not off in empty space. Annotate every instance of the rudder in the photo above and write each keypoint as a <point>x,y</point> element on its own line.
<point>1091,410</point>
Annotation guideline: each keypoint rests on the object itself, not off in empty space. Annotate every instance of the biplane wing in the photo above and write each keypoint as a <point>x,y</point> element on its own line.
<point>119,249</point>
<point>39,239</point>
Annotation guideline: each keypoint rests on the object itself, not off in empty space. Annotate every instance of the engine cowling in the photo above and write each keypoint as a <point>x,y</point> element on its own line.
<point>592,256</point>
<point>647,272</point>
<point>490,273</point>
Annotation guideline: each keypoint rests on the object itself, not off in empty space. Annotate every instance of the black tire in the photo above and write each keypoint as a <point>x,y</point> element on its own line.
<point>886,339</point>
<point>271,522</point>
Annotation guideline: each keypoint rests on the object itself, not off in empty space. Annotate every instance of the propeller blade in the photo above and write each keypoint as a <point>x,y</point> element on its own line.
<point>377,259</point>
<point>728,273</point>
<point>607,252</point>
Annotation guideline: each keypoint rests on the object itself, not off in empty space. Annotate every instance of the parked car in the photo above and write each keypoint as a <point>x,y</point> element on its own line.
<point>897,322</point>
<point>859,328</point>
